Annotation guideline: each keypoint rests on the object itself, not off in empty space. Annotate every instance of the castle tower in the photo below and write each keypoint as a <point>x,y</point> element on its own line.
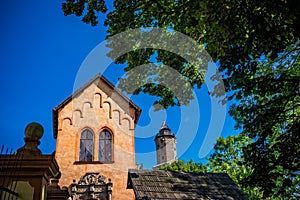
<point>165,142</point>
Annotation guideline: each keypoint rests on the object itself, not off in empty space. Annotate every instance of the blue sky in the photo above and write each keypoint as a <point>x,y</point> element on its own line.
<point>41,52</point>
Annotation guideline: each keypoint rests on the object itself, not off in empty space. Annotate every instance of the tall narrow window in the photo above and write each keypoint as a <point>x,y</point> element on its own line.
<point>86,146</point>
<point>105,146</point>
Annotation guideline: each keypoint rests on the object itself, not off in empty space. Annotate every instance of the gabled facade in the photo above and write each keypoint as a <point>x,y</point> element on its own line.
<point>94,131</point>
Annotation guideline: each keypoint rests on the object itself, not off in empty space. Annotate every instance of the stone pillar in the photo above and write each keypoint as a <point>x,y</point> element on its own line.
<point>54,192</point>
<point>27,173</point>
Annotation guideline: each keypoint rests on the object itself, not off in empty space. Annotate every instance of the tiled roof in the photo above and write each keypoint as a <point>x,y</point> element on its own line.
<point>157,184</point>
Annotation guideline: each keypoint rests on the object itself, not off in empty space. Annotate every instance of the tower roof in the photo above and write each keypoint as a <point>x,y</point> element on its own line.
<point>164,131</point>
<point>164,126</point>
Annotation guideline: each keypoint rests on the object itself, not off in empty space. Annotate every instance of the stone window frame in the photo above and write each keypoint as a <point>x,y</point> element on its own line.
<point>96,147</point>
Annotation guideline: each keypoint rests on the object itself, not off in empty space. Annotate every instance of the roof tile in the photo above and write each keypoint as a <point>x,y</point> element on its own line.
<point>157,185</point>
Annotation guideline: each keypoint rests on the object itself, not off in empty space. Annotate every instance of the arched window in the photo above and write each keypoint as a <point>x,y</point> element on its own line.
<point>105,146</point>
<point>86,146</point>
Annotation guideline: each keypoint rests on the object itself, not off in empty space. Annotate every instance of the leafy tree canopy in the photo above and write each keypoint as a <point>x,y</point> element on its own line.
<point>235,32</point>
<point>228,157</point>
<point>181,166</point>
<point>268,111</point>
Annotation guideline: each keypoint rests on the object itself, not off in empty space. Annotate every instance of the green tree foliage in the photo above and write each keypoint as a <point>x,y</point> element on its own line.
<point>181,166</point>
<point>227,157</point>
<point>235,32</point>
<point>265,158</point>
<point>256,44</point>
<point>88,8</point>
<point>268,111</point>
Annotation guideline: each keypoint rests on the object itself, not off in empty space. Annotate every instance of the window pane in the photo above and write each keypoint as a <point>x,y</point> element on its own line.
<point>102,135</point>
<point>101,150</point>
<point>108,136</point>
<point>108,150</point>
<point>82,149</point>
<point>89,153</point>
<point>105,146</point>
<point>86,146</point>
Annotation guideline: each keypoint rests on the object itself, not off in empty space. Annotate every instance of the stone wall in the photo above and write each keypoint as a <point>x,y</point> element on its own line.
<point>165,149</point>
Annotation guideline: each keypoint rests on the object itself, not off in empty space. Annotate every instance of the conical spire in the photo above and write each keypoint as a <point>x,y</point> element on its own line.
<point>164,126</point>
<point>164,130</point>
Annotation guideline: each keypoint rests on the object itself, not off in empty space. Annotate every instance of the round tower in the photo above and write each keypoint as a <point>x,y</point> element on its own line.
<point>165,142</point>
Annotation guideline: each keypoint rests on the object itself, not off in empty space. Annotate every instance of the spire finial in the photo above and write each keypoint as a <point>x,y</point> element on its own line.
<point>164,125</point>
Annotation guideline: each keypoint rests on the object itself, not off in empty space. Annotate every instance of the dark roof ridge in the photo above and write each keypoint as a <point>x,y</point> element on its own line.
<point>150,170</point>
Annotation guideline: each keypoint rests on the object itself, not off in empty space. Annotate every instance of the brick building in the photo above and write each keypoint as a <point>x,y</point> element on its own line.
<point>94,131</point>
